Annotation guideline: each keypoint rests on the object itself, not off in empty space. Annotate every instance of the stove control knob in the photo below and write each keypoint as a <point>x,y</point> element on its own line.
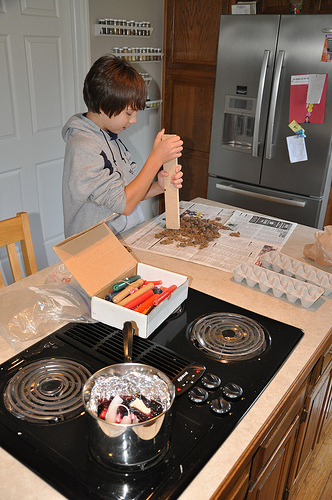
<point>220,406</point>
<point>198,395</point>
<point>232,391</point>
<point>211,381</point>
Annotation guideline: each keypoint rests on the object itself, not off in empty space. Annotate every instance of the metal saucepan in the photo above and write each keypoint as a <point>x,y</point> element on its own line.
<point>129,446</point>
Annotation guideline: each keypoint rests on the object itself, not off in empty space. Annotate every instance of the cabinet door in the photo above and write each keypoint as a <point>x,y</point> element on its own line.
<point>239,489</point>
<point>327,414</point>
<point>327,407</point>
<point>318,410</point>
<point>321,7</point>
<point>191,42</point>
<point>271,482</point>
<point>328,217</point>
<point>274,7</point>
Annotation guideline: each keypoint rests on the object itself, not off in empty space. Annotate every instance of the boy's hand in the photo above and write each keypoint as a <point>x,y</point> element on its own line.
<point>176,179</point>
<point>166,150</point>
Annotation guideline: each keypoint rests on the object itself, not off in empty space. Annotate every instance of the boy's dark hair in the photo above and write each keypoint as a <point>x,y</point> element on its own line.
<point>113,84</point>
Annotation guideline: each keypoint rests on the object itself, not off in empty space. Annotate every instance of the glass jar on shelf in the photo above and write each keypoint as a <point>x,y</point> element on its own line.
<point>131,27</point>
<point>102,23</point>
<point>296,7</point>
<point>117,52</point>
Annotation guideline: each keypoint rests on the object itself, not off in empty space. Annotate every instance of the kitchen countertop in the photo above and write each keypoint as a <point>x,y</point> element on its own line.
<point>17,481</point>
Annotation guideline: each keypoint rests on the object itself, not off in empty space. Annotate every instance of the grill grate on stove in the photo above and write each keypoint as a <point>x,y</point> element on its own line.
<point>105,343</point>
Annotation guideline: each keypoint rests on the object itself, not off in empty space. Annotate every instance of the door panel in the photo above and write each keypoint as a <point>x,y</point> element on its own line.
<point>274,6</point>
<point>45,52</point>
<point>271,482</point>
<point>192,123</point>
<point>307,177</point>
<point>190,51</point>
<point>38,94</point>
<point>191,31</point>
<point>321,7</point>
<point>246,51</point>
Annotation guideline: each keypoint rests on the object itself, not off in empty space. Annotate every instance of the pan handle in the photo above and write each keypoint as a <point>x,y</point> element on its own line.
<point>128,333</point>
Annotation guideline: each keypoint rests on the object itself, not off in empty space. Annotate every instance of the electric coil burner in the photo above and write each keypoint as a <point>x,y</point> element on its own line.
<point>47,391</point>
<point>229,337</point>
<point>220,358</point>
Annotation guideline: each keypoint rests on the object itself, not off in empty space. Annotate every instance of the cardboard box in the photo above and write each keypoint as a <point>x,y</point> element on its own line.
<point>244,8</point>
<point>240,9</point>
<point>97,259</point>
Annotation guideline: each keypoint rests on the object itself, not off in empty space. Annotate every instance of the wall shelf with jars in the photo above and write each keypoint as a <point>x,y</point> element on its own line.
<point>153,104</point>
<point>150,103</point>
<point>147,78</point>
<point>122,27</point>
<point>138,54</point>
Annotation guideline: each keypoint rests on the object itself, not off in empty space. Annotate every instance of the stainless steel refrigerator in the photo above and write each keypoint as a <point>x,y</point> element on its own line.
<point>256,97</point>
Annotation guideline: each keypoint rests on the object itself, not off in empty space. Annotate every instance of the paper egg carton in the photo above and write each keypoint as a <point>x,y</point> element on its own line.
<point>280,284</point>
<point>280,262</point>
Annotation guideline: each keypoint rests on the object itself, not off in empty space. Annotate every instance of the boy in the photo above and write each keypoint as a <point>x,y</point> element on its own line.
<point>99,174</point>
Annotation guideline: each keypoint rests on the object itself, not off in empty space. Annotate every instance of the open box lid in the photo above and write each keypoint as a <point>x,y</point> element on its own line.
<point>95,258</point>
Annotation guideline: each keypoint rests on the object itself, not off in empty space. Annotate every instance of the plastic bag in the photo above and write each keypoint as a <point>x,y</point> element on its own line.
<point>33,312</point>
<point>60,274</point>
<point>321,250</point>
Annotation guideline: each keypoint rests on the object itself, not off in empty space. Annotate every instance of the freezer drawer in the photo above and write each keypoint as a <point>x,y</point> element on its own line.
<point>294,208</point>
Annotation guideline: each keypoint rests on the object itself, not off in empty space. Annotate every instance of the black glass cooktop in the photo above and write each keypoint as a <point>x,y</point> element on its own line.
<point>57,448</point>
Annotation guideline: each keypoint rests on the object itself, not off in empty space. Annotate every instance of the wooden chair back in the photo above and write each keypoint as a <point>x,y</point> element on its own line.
<point>14,230</point>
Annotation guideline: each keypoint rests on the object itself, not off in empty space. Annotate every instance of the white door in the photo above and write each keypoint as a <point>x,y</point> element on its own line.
<point>42,69</point>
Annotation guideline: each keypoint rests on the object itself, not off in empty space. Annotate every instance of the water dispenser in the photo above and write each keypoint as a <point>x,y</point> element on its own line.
<point>239,119</point>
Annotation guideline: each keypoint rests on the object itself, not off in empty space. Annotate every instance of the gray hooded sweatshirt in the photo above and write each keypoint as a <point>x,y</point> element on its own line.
<point>97,167</point>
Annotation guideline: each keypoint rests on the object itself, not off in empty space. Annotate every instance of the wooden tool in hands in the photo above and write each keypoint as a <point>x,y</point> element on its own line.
<point>172,207</point>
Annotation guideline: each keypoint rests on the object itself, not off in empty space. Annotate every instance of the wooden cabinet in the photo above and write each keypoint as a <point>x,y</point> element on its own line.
<point>237,486</point>
<point>320,7</point>
<point>328,218</point>
<point>272,462</point>
<point>271,482</point>
<point>240,488</point>
<point>316,416</point>
<point>190,53</point>
<point>327,409</point>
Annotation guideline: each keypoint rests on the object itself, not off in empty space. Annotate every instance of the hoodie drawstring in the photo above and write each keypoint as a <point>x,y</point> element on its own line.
<point>114,160</point>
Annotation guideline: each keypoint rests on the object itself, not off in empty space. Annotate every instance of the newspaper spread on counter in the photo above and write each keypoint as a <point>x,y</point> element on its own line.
<point>257,234</point>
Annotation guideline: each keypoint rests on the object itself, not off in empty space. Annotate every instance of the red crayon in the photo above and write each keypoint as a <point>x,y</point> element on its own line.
<point>146,304</point>
<point>141,298</point>
<point>164,295</point>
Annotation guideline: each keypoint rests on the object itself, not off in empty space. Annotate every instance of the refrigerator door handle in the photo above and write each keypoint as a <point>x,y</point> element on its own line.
<point>273,103</point>
<point>275,199</point>
<point>261,85</point>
